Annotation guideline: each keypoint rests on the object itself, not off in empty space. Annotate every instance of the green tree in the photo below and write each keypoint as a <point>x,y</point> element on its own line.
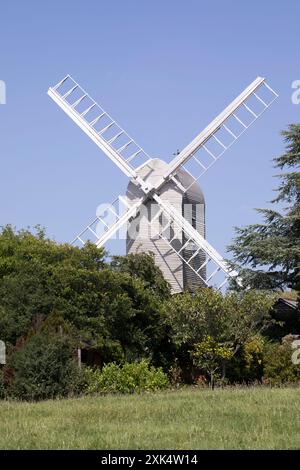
<point>210,356</point>
<point>30,283</point>
<point>228,320</point>
<point>109,309</point>
<point>142,266</point>
<point>268,254</point>
<point>234,316</point>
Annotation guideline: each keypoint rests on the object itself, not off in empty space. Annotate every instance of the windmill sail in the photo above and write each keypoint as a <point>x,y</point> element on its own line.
<point>108,221</point>
<point>194,242</point>
<point>197,157</point>
<point>107,134</point>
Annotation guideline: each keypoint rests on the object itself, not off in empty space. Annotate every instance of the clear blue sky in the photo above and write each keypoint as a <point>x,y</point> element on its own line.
<point>164,70</point>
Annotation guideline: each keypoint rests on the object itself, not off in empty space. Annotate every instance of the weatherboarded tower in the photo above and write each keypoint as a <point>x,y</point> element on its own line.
<point>142,235</point>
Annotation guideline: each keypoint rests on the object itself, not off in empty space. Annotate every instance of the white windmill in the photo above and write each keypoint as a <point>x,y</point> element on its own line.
<point>175,237</point>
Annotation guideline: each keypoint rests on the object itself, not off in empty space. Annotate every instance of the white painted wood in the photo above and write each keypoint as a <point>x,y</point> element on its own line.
<point>141,238</point>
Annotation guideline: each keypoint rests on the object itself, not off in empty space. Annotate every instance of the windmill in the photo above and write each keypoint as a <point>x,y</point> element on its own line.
<point>152,212</point>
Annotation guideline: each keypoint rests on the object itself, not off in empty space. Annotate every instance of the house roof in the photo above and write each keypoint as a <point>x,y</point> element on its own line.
<point>288,303</point>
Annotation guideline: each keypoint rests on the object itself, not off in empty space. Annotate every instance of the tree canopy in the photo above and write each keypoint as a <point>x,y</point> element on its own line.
<point>111,310</point>
<point>268,254</point>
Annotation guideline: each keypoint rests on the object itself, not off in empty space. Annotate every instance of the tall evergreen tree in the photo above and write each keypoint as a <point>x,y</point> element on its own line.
<point>268,254</point>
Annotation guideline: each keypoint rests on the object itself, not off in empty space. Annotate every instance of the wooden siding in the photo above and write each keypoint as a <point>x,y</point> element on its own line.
<point>140,238</point>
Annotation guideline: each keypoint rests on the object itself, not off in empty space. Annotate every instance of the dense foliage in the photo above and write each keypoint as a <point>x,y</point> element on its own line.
<point>126,378</point>
<point>279,368</point>
<point>108,309</point>
<point>209,355</point>
<point>207,325</point>
<point>43,368</point>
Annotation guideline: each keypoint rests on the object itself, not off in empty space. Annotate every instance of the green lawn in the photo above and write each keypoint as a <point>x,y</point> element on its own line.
<point>251,418</point>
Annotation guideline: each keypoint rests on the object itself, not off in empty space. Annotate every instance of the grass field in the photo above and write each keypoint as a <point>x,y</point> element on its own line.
<point>254,418</point>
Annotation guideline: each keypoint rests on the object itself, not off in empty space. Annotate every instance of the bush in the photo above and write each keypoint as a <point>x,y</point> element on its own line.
<point>128,378</point>
<point>247,365</point>
<point>44,368</point>
<point>278,366</point>
<point>176,374</point>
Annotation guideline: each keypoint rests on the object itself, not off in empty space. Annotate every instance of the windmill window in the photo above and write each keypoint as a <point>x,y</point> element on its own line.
<point>194,219</point>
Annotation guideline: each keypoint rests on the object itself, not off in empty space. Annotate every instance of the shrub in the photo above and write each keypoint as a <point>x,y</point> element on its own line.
<point>44,368</point>
<point>129,378</point>
<point>247,365</point>
<point>278,366</point>
<point>176,374</point>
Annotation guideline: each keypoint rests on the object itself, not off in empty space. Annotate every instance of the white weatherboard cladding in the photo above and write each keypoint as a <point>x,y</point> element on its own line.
<point>140,238</point>
<point>194,212</point>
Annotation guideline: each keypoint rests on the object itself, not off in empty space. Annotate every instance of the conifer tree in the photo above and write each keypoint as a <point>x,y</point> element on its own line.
<point>268,254</point>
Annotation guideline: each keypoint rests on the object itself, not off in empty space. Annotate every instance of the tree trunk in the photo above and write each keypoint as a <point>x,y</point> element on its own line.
<point>212,382</point>
<point>79,357</point>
